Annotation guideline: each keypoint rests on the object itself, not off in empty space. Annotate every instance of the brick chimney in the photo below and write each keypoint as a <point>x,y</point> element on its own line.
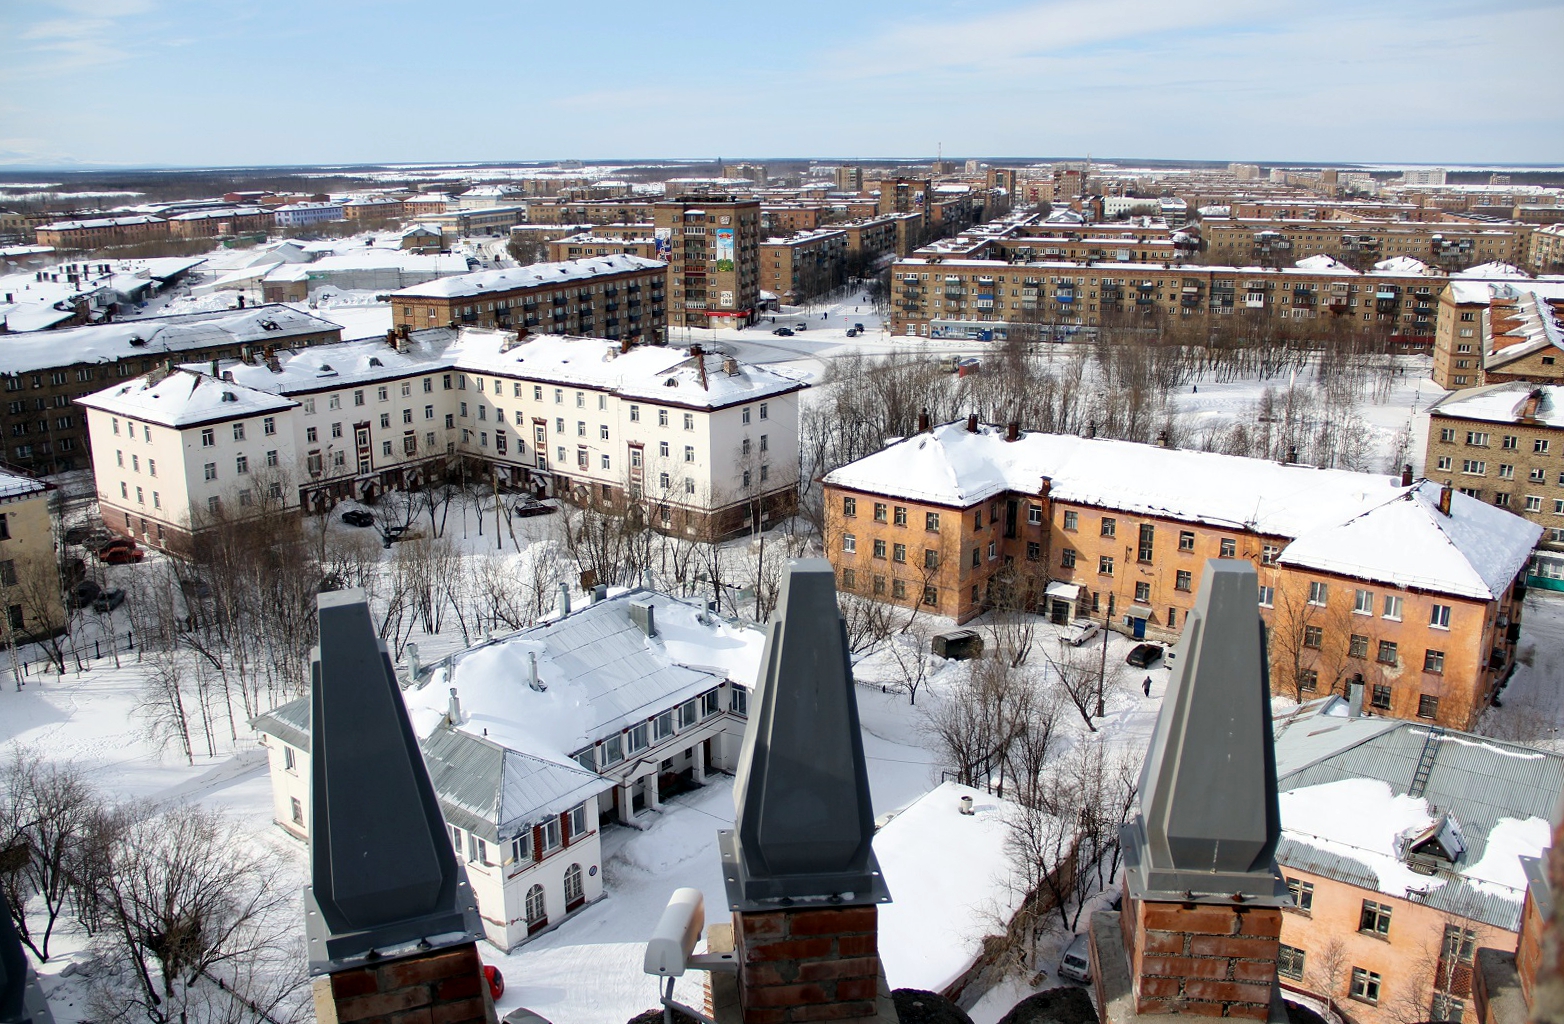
<point>1406,474</point>
<point>391,923</point>
<point>1446,492</point>
<point>1201,919</point>
<point>923,421</point>
<point>972,423</point>
<point>802,880</point>
<point>1012,431</point>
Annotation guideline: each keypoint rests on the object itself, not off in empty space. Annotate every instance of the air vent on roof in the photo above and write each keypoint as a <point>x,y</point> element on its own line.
<point>375,361</point>
<point>671,382</point>
<point>137,340</point>
<point>270,325</point>
<point>229,396</point>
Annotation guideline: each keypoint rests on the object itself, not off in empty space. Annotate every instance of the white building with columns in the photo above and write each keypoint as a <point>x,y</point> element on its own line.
<point>537,739</point>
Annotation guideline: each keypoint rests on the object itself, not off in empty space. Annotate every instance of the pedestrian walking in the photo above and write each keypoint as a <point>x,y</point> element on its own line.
<point>1147,686</point>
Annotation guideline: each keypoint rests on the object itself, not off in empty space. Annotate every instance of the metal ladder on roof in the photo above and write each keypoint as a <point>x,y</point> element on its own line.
<point>1425,761</point>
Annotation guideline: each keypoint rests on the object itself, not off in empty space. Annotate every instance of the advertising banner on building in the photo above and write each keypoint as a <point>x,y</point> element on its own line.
<point>724,250</point>
<point>662,240</point>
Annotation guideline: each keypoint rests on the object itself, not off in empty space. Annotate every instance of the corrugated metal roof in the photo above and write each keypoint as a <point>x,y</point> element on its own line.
<point>288,722</point>
<point>1476,779</point>
<point>494,792</point>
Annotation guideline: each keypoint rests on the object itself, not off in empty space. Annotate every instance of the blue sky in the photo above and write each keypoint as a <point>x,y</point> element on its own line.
<point>240,82</point>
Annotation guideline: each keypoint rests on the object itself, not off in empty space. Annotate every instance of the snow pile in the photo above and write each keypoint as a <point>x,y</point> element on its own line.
<point>1359,819</point>
<point>950,882</point>
<point>1499,873</point>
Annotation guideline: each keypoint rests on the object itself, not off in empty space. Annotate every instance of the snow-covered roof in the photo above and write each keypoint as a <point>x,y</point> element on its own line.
<point>485,281</point>
<point>932,932</point>
<point>658,374</point>
<point>601,674</point>
<point>1505,403</point>
<point>133,339</point>
<point>99,222</point>
<point>495,792</point>
<point>1490,271</point>
<point>1323,262</point>
<point>1357,524</point>
<point>184,398</point>
<point>16,485</point>
<point>1347,812</point>
<point>1405,265</point>
<point>1476,551</point>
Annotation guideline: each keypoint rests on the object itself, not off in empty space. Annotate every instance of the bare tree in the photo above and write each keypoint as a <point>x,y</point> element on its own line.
<point>46,810</point>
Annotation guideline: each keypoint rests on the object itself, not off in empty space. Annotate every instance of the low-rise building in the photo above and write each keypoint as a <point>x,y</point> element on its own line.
<point>1405,848</point>
<point>1407,586</point>
<point>536,740</point>
<point>703,445</point>
<point>97,232</point>
<point>209,223</point>
<point>29,565</point>
<point>1489,332</point>
<point>303,215</point>
<point>1504,444</point>
<point>617,297</point>
<point>44,373</point>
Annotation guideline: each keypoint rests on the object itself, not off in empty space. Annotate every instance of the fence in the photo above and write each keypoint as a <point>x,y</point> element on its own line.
<point>78,654</point>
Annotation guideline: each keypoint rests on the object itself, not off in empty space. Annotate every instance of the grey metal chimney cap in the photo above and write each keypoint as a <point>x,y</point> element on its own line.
<point>801,792</point>
<point>1208,821</point>
<point>384,879</point>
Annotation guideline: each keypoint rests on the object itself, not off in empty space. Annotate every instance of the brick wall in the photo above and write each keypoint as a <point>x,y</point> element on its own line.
<point>808,965</point>
<point>443,987</point>
<point>1204,959</point>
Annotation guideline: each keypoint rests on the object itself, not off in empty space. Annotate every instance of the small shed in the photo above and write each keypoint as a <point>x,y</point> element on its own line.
<point>958,644</point>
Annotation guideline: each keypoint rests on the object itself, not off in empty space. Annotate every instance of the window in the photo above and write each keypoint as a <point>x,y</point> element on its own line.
<point>689,421</point>
<point>1289,962</point>
<point>1105,565</point>
<point>1148,535</point>
<point>1434,661</point>
<point>879,512</point>
<point>242,464</point>
<point>930,595</point>
<point>1474,467</point>
<point>1365,985</point>
<point>1533,503</point>
<point>977,557</point>
<point>1142,592</point>
<point>689,453</point>
<point>1186,540</point>
<point>1392,607</point>
<point>1358,646</point>
<point>1110,526</point>
<point>1269,553</point>
<point>573,892</point>
<point>688,715</point>
<point>1439,616</point>
<point>1319,593</point>
<point>208,438</point>
<point>1447,1008</point>
<point>711,703</point>
<point>1427,707</point>
<point>636,739</point>
<point>849,542</point>
<point>1445,462</point>
<point>1387,652</point>
<point>1067,558</point>
<point>297,809</point>
<point>1540,446</point>
<point>739,701</point>
<point>1459,943</point>
<point>1374,918</point>
<point>662,417</point>
<point>849,506</point>
<point>1302,894</point>
<point>535,910</point>
<point>1072,520</point>
<point>1182,580</point>
<point>612,751</point>
<point>1034,515</point>
<point>211,471</point>
<point>930,557</point>
<point>762,410</point>
<point>1267,597</point>
<point>1313,637</point>
<point>662,726</point>
<point>931,522</point>
<point>1477,438</point>
<point>900,516</point>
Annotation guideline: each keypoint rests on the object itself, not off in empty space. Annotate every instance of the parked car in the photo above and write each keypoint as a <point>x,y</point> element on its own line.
<point>783,332</point>
<point>108,600</point>
<point>801,327</point>
<point>122,556</point>
<point>1080,632</point>
<point>852,332</point>
<point>82,594</point>
<point>533,507</point>
<point>358,517</point>
<point>858,327</point>
<point>1144,656</point>
<point>1076,964</point>
<point>115,544</point>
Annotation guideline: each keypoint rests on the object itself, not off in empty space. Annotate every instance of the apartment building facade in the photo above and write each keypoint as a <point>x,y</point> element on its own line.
<point>29,565</point>
<point>585,246</point>
<point>1547,250</point>
<point>1504,444</point>
<point>1492,332</point>
<point>968,517</point>
<point>1451,245</point>
<point>97,232</point>
<point>710,454</point>
<point>803,265</point>
<point>987,299</point>
<point>43,374</point>
<point>616,297</point>
<point>712,246</point>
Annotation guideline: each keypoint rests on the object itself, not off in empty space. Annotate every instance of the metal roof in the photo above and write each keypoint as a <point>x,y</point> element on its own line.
<point>495,792</point>
<point>1477,779</point>
<point>288,722</point>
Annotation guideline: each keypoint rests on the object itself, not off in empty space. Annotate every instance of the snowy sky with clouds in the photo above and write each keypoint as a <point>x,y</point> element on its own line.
<point>232,82</point>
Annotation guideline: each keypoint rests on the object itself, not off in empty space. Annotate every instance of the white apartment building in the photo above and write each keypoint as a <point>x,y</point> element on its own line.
<point>535,740</point>
<point>705,445</point>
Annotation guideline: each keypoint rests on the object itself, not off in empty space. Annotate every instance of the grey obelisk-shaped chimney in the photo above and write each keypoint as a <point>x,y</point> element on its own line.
<point>799,866</point>
<point>388,914</point>
<point>1198,933</point>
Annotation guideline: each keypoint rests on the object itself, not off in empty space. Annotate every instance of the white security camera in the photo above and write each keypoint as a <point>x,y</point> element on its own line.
<point>673,940</point>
